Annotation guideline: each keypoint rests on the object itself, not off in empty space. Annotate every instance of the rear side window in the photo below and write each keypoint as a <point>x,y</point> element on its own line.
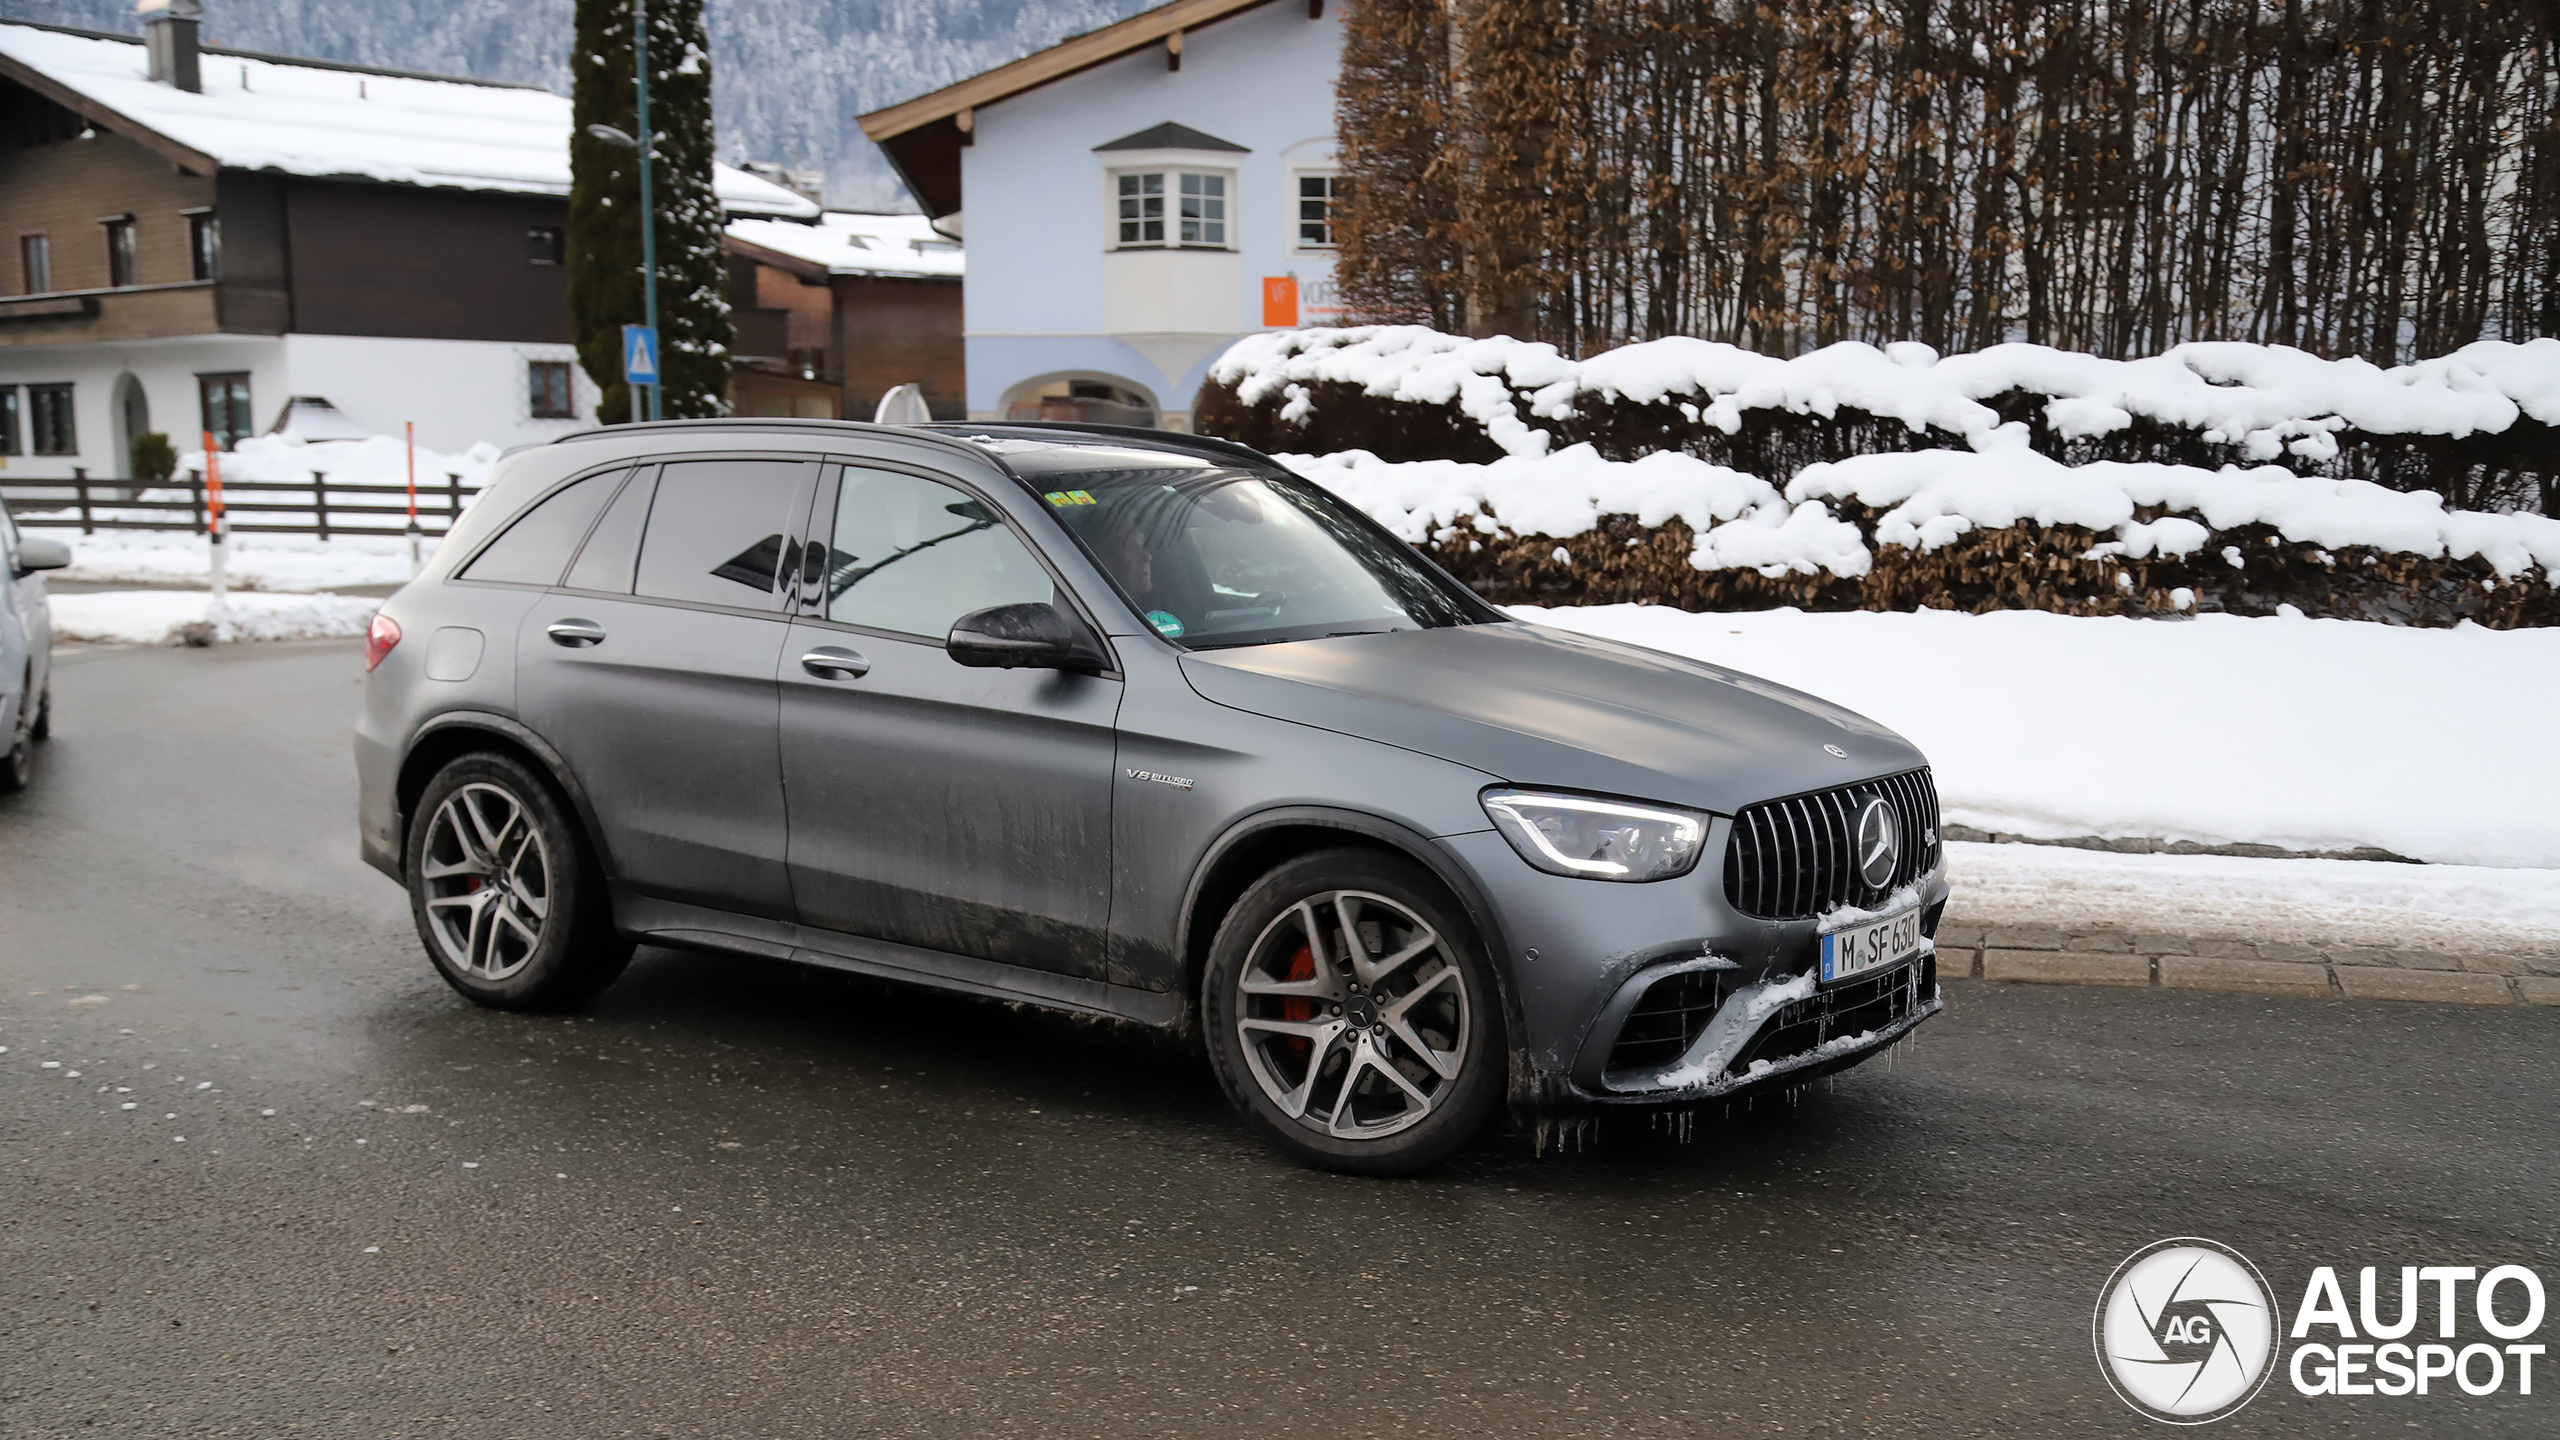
<point>536,548</point>
<point>717,527</point>
<point>912,556</point>
<point>611,552</point>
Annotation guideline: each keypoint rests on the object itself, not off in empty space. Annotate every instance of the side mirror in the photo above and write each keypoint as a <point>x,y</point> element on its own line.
<point>36,552</point>
<point>1022,637</point>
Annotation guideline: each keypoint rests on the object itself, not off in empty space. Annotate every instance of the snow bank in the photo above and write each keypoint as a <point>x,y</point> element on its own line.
<point>2461,909</point>
<point>1926,499</point>
<point>2269,399</point>
<point>2304,734</point>
<point>160,617</point>
<point>375,460</point>
<point>255,562</point>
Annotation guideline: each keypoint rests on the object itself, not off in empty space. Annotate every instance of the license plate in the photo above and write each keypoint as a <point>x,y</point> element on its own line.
<point>1866,945</point>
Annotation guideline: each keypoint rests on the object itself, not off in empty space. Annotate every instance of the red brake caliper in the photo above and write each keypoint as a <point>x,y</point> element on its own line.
<point>1302,966</point>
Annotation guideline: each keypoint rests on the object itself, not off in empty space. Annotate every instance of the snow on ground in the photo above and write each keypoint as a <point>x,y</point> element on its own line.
<point>2460,909</point>
<point>255,562</point>
<point>2306,734</point>
<point>159,617</point>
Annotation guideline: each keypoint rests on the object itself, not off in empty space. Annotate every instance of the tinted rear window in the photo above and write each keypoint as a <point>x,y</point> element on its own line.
<point>536,548</point>
<point>717,527</point>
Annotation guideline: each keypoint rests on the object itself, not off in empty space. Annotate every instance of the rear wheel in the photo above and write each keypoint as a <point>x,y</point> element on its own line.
<point>506,896</point>
<point>1351,1014</point>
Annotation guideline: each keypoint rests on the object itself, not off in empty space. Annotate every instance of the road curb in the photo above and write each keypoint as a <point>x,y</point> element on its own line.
<point>2060,955</point>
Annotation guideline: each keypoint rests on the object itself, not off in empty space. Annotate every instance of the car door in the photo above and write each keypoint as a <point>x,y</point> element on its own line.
<point>18,612</point>
<point>956,809</point>
<point>650,667</point>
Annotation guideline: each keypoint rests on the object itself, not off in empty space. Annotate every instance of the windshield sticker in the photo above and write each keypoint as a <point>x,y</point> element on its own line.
<point>1168,624</point>
<point>1064,498</point>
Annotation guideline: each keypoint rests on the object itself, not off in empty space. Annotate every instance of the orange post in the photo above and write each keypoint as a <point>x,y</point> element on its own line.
<point>215,527</point>
<point>409,429</point>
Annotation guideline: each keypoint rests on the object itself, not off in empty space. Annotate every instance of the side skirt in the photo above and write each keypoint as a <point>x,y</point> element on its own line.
<point>694,927</point>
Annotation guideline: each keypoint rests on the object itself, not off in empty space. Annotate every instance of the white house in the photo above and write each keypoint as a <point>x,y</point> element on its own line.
<point>1135,199</point>
<point>196,236</point>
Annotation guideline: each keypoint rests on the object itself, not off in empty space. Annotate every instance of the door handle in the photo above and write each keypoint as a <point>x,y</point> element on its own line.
<point>574,633</point>
<point>834,662</point>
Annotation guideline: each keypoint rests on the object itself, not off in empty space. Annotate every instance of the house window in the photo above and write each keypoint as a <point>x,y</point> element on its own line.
<point>1199,210</point>
<point>553,399</point>
<point>1316,196</point>
<point>35,262</point>
<point>51,425</point>
<point>10,443</point>
<point>119,230</point>
<point>204,245</point>
<point>225,402</point>
<point>1142,209</point>
<point>546,245</point>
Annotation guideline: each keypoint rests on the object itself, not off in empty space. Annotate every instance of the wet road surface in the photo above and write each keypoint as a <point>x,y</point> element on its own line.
<point>298,1186</point>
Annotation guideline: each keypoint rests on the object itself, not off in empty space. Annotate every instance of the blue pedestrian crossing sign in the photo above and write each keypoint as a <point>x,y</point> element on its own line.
<point>639,355</point>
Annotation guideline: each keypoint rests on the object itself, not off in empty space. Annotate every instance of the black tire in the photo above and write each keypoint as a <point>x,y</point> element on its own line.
<point>18,762</point>
<point>544,938</point>
<point>44,714</point>
<point>1355,1030</point>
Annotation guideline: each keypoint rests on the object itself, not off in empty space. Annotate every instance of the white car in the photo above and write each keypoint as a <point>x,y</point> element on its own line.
<point>26,649</point>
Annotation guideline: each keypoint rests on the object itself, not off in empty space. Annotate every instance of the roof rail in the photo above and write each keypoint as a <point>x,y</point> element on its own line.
<point>757,422</point>
<point>1162,439</point>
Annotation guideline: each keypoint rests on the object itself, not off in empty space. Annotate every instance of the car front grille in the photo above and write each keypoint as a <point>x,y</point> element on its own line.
<point>1858,1008</point>
<point>1795,859</point>
<point>1668,1018</point>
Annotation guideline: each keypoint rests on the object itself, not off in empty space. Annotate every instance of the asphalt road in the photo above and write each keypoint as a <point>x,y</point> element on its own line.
<point>735,1199</point>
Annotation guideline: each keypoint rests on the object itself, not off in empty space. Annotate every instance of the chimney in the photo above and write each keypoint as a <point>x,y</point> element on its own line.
<point>169,33</point>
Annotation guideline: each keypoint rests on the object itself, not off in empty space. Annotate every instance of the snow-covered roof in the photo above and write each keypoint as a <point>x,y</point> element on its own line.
<point>268,113</point>
<point>848,242</point>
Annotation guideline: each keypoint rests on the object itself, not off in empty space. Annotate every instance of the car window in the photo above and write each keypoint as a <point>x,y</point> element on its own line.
<point>535,549</point>
<point>613,549</point>
<point>912,555</point>
<point>1213,557</point>
<point>716,530</point>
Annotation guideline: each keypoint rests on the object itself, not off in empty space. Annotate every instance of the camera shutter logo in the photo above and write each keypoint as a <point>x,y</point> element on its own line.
<point>2186,1331</point>
<point>1879,842</point>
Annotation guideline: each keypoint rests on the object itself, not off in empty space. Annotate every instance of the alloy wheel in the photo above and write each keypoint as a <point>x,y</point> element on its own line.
<point>487,879</point>
<point>1353,1015</point>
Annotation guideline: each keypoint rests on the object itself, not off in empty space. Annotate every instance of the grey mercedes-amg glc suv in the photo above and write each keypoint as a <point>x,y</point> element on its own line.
<point>1136,725</point>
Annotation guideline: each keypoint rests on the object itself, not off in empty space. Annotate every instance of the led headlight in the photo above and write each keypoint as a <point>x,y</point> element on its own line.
<point>1597,839</point>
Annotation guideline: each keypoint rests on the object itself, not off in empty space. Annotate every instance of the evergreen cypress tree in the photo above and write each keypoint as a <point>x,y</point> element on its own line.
<point>694,327</point>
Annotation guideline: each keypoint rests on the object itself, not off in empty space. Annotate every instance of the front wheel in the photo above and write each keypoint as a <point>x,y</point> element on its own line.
<point>1351,1014</point>
<point>18,762</point>
<point>509,902</point>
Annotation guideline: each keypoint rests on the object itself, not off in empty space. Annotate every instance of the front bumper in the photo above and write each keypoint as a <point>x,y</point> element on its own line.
<point>1582,956</point>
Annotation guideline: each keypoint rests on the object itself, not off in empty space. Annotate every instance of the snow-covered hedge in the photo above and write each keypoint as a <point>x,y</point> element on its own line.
<point>1696,474</point>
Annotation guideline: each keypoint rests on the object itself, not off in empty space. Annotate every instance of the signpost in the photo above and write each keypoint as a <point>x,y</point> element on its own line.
<point>648,214</point>
<point>640,366</point>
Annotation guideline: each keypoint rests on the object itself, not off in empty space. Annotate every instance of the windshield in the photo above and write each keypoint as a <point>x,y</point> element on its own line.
<point>1216,557</point>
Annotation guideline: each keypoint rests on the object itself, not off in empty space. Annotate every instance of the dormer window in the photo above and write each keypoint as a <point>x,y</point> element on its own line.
<point>1170,187</point>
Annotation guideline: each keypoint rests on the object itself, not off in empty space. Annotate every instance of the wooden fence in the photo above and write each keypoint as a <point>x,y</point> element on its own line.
<point>318,506</point>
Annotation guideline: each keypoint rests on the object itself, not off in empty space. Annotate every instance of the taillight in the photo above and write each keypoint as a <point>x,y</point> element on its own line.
<point>378,640</point>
